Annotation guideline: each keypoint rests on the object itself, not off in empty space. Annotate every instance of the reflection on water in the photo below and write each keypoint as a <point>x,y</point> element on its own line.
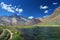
<point>41,33</point>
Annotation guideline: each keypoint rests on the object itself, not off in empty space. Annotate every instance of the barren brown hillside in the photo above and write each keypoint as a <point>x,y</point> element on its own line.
<point>53,19</point>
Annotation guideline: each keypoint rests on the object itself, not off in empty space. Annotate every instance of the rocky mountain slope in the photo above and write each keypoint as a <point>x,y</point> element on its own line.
<point>53,19</point>
<point>17,20</point>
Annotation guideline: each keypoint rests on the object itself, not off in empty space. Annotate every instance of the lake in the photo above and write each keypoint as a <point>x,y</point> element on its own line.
<point>40,33</point>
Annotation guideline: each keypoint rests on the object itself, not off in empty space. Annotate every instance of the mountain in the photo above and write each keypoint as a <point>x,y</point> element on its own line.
<point>53,19</point>
<point>55,13</point>
<point>34,21</point>
<point>17,20</point>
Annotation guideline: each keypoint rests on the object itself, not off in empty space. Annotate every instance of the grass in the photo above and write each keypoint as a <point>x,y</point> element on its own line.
<point>13,27</point>
<point>16,35</point>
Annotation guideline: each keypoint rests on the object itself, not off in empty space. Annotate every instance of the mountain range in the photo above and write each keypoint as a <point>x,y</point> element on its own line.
<point>17,20</point>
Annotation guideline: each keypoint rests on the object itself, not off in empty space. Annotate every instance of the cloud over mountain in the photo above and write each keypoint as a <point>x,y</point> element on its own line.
<point>31,17</point>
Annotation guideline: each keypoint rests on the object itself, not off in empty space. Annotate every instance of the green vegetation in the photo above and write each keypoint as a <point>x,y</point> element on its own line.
<point>16,35</point>
<point>4,35</point>
<point>1,30</point>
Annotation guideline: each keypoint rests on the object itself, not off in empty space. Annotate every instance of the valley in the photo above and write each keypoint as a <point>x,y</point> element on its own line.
<point>32,33</point>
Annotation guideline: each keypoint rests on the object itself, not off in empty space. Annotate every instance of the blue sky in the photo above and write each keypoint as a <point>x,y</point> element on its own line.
<point>28,8</point>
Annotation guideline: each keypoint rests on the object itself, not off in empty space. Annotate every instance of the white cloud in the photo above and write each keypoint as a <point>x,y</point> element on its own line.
<point>10,8</point>
<point>20,10</point>
<point>43,7</point>
<point>17,9</point>
<point>7,7</point>
<point>46,11</point>
<point>44,16</point>
<point>31,17</point>
<point>55,3</point>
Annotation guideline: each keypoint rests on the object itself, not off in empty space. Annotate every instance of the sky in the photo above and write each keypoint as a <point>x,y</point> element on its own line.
<point>28,8</point>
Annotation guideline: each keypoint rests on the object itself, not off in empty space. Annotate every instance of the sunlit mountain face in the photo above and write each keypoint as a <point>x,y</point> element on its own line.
<point>28,8</point>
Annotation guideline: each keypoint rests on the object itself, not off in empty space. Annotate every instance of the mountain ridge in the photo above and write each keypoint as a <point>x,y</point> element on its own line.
<point>53,19</point>
<point>17,20</point>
